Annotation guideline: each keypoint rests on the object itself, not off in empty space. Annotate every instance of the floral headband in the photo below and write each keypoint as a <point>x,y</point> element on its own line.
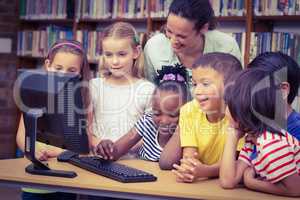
<point>173,77</point>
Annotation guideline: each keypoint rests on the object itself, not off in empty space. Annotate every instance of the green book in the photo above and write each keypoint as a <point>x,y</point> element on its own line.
<point>22,8</point>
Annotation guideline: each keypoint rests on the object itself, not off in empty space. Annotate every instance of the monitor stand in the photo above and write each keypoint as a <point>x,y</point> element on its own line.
<point>37,167</point>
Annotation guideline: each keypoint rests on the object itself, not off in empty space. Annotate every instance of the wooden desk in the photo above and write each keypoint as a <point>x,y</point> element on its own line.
<point>12,173</point>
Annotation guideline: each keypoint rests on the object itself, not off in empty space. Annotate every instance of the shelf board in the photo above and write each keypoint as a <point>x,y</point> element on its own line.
<point>231,18</point>
<point>219,18</point>
<point>30,57</point>
<point>158,19</point>
<point>294,18</point>
<point>93,62</point>
<point>46,21</point>
<point>33,59</point>
<point>109,20</point>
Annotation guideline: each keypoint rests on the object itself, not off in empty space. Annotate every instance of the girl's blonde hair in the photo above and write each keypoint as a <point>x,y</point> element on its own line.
<point>120,30</point>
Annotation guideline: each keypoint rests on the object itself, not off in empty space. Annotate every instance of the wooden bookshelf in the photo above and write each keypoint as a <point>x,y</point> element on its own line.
<point>249,27</point>
<point>284,18</point>
<point>252,23</point>
<point>112,20</point>
<point>219,19</point>
<point>47,21</point>
<point>93,23</point>
<point>29,61</point>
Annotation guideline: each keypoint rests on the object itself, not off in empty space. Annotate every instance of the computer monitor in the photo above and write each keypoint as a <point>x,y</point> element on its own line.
<point>53,112</point>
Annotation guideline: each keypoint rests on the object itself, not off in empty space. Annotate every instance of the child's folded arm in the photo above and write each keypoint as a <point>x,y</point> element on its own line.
<point>191,169</point>
<point>289,186</point>
<point>199,169</point>
<point>231,171</point>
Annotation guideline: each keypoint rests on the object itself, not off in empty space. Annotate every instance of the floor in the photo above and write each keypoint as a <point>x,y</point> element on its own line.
<point>10,193</point>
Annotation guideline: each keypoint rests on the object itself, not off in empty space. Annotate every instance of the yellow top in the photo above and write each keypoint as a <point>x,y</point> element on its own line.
<point>197,131</point>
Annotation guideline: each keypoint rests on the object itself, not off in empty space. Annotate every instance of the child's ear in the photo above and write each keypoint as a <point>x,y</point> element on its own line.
<point>137,51</point>
<point>285,89</point>
<point>47,64</point>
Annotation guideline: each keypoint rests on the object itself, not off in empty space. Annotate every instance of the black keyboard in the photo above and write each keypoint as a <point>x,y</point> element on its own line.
<point>107,168</point>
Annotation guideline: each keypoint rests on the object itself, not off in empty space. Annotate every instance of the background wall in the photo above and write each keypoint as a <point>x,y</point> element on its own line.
<point>8,63</point>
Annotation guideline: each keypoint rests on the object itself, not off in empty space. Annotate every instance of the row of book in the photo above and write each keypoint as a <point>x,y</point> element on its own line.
<point>276,7</point>
<point>160,8</point>
<point>229,7</point>
<point>105,9</point>
<point>240,38</point>
<point>46,9</point>
<point>35,43</point>
<point>91,41</point>
<point>288,43</point>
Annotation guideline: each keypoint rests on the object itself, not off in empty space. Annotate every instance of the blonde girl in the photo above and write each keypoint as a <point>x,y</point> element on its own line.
<point>121,95</point>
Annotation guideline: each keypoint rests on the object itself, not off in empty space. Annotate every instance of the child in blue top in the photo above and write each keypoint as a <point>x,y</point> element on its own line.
<point>156,128</point>
<point>275,63</point>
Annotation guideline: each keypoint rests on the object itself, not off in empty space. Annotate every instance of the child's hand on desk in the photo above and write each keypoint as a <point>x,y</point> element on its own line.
<point>189,169</point>
<point>48,152</point>
<point>106,149</point>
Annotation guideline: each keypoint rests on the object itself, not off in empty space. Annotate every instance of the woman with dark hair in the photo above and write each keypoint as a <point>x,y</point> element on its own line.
<point>189,33</point>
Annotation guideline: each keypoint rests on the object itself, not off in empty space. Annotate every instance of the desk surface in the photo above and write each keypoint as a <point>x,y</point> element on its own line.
<point>12,173</point>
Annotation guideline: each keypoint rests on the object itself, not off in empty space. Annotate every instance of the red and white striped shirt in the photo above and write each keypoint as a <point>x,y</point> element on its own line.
<point>276,157</point>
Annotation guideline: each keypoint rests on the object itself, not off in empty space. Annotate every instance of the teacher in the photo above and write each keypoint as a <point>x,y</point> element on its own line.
<point>189,33</point>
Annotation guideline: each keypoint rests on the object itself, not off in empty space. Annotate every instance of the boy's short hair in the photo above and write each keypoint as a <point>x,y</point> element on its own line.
<point>273,62</point>
<point>255,103</point>
<point>225,64</point>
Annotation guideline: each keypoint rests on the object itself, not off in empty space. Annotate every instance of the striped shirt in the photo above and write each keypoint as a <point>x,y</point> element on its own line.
<point>274,156</point>
<point>146,128</point>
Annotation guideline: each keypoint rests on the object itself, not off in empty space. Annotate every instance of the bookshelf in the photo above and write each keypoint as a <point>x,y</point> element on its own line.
<point>276,28</point>
<point>82,17</point>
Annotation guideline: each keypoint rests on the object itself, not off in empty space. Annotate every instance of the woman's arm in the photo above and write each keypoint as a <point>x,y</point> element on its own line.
<point>171,153</point>
<point>289,186</point>
<point>231,171</point>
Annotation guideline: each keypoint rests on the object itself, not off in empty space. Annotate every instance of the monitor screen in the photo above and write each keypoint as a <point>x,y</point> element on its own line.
<point>58,96</point>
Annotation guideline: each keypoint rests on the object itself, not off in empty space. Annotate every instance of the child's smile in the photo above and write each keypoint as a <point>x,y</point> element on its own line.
<point>208,90</point>
<point>165,108</point>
